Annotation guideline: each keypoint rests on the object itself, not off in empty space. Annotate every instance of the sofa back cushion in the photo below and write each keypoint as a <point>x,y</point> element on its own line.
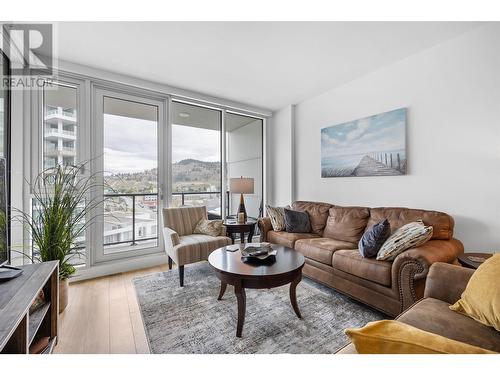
<point>318,214</point>
<point>442,224</point>
<point>346,223</point>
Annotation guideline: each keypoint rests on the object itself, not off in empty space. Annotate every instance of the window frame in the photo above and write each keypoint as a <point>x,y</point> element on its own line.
<point>7,149</point>
<point>100,92</point>
<point>87,82</point>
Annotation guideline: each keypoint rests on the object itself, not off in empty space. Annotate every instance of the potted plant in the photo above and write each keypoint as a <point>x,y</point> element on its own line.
<point>61,213</point>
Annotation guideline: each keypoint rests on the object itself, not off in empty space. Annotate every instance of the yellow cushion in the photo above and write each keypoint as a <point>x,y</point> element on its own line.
<point>481,298</point>
<point>393,337</point>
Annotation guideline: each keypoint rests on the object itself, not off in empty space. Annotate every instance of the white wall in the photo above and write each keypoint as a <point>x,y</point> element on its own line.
<point>452,92</point>
<point>281,156</point>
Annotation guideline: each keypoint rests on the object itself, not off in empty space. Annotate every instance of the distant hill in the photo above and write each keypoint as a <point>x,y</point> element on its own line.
<point>188,175</point>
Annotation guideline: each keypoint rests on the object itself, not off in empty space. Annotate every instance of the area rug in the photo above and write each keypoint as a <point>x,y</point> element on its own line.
<point>191,320</point>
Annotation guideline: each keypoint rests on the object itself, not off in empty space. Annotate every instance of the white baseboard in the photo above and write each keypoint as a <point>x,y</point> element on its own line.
<point>125,265</point>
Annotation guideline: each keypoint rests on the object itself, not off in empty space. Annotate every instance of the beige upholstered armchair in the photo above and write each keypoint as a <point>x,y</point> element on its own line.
<point>182,246</point>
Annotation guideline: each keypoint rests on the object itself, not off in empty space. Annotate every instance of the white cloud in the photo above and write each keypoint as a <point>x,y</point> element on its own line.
<point>126,162</point>
<point>330,140</point>
<point>131,145</point>
<point>361,127</point>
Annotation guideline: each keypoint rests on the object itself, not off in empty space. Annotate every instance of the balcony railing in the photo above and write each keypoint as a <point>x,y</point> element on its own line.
<point>133,197</point>
<point>58,133</point>
<point>61,112</point>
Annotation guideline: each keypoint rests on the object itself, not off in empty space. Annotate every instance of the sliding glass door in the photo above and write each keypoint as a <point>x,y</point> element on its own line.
<point>131,128</point>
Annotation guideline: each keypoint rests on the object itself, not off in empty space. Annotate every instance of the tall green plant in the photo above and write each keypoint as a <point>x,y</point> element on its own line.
<point>61,212</point>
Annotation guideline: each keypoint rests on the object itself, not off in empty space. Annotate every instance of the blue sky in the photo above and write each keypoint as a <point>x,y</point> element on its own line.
<point>382,132</point>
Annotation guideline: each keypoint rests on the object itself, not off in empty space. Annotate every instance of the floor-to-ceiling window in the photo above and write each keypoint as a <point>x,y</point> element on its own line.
<point>149,155</point>
<point>61,140</point>
<point>244,158</point>
<point>196,157</point>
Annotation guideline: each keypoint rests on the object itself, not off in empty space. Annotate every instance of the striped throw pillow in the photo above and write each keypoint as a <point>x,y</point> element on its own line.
<point>277,216</point>
<point>408,236</point>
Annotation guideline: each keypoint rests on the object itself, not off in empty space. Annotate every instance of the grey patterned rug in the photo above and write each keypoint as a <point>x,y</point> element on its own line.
<point>191,320</point>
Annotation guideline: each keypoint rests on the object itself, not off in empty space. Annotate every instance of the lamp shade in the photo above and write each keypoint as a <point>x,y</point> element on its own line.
<point>242,185</point>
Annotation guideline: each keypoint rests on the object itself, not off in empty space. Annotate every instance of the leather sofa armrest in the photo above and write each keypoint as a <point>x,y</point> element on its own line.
<point>264,224</point>
<point>413,265</point>
<point>446,282</point>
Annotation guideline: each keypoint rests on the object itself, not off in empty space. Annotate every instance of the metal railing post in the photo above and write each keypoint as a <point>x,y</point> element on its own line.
<point>133,219</point>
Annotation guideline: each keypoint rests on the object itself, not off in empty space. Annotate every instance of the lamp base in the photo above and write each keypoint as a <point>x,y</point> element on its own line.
<point>241,207</point>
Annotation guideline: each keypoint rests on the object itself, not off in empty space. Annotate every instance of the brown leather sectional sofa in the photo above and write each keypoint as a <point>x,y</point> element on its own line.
<point>444,286</point>
<point>332,257</point>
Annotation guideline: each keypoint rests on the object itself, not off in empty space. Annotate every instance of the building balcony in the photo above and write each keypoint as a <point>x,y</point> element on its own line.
<point>56,134</point>
<point>53,115</point>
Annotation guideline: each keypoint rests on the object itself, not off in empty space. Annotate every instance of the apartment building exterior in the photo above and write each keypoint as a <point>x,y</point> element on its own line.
<point>60,132</point>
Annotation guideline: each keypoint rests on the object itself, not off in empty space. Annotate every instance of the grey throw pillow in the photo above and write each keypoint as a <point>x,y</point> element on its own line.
<point>297,221</point>
<point>373,239</point>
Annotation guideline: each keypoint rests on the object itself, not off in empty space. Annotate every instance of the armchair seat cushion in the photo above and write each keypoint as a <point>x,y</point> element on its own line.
<point>351,261</point>
<point>321,249</point>
<point>197,247</point>
<point>433,315</point>
<point>287,239</point>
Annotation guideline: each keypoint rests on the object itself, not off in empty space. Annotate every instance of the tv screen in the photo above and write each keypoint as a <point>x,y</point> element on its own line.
<point>4,250</point>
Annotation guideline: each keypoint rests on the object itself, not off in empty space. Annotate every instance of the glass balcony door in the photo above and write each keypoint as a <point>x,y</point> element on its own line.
<point>130,129</point>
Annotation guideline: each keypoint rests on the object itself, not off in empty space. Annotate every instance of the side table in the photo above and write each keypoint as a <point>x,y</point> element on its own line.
<point>466,261</point>
<point>233,227</point>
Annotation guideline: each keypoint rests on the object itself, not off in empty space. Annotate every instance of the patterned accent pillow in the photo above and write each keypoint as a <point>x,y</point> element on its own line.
<point>209,227</point>
<point>277,216</point>
<point>408,236</point>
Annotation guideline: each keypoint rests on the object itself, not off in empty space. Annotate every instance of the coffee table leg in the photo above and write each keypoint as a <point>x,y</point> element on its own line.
<point>293,295</point>
<point>242,301</point>
<point>223,287</point>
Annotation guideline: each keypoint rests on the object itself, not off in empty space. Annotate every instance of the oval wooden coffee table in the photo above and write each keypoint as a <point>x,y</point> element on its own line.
<point>230,269</point>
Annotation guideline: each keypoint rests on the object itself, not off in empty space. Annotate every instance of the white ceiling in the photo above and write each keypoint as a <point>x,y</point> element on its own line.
<point>265,64</point>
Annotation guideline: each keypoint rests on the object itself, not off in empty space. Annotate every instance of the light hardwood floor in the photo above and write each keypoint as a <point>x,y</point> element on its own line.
<point>103,316</point>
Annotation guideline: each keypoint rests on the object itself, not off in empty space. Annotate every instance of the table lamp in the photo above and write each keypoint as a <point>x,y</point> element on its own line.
<point>241,185</point>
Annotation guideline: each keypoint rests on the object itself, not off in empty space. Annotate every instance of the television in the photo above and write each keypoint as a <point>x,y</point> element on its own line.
<point>4,225</point>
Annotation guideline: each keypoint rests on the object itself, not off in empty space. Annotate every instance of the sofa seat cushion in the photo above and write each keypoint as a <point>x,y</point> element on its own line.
<point>321,249</point>
<point>197,247</point>
<point>287,239</point>
<point>351,262</point>
<point>433,315</point>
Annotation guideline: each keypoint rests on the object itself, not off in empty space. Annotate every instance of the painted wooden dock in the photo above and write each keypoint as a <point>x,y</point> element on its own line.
<point>371,167</point>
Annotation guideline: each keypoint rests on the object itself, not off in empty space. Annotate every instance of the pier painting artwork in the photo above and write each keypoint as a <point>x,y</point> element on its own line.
<point>371,146</point>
